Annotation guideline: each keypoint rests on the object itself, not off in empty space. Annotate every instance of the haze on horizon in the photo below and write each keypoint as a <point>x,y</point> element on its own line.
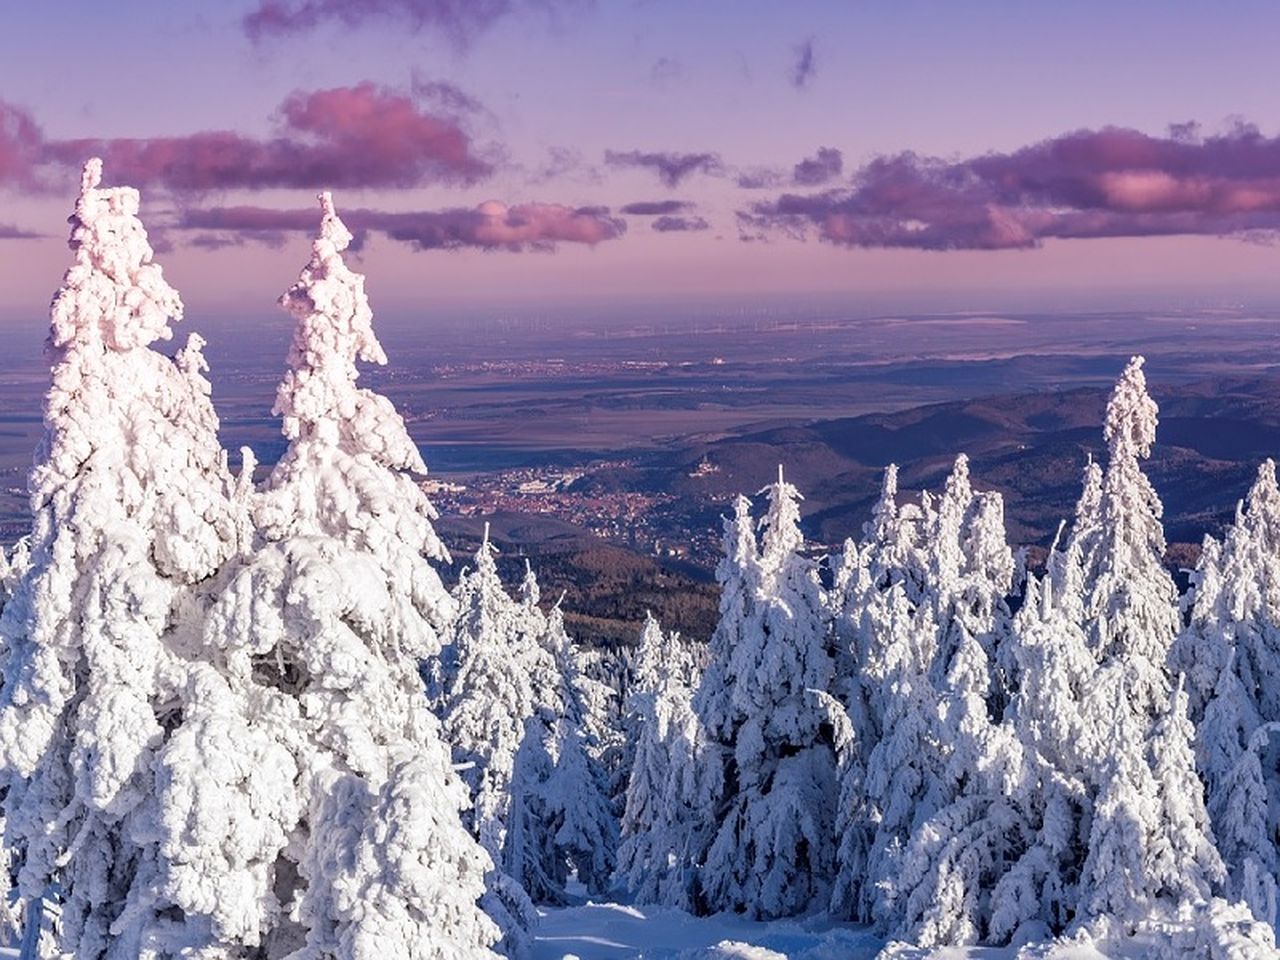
<point>927,155</point>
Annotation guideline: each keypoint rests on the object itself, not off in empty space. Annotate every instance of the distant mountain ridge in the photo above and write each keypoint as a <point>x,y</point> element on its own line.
<point>1031,447</point>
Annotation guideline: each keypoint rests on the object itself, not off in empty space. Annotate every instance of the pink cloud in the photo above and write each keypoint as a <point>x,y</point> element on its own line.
<point>359,136</point>
<point>489,226</point>
<point>1105,183</point>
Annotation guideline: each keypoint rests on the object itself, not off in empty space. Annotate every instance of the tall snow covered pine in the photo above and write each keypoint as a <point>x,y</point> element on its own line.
<point>772,855</point>
<point>132,512</point>
<point>351,844</point>
<point>1130,616</point>
<point>672,784</point>
<point>1230,651</point>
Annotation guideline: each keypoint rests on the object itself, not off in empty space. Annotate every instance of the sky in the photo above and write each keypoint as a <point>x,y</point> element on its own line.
<point>509,154</point>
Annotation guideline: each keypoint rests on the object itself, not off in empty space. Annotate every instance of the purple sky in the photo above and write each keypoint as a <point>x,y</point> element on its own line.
<point>497,152</point>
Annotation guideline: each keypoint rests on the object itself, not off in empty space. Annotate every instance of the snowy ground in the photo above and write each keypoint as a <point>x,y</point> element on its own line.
<point>612,931</point>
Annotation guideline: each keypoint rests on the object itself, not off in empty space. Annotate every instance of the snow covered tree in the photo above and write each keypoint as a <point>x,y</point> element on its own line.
<point>1256,624</point>
<point>499,680</point>
<point>955,856</point>
<point>1130,602</point>
<point>578,799</point>
<point>970,574</point>
<point>497,670</point>
<point>658,658</point>
<point>312,807</point>
<point>672,784</point>
<point>1067,570</point>
<point>132,512</point>
<point>512,708</point>
<point>1149,840</point>
<point>876,600</point>
<point>879,587</point>
<point>772,854</point>
<point>737,574</point>
<point>1038,893</point>
<point>921,619</point>
<point>1187,866</point>
<point>1238,808</point>
<point>529,855</point>
<point>963,828</point>
<point>1121,831</point>
<point>560,821</point>
<point>1230,651</point>
<point>1116,881</point>
<point>643,855</point>
<point>904,787</point>
<point>604,679</point>
<point>1053,669</point>
<point>1131,619</point>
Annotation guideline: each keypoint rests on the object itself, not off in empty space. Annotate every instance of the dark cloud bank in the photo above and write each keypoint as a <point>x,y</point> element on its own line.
<point>1112,182</point>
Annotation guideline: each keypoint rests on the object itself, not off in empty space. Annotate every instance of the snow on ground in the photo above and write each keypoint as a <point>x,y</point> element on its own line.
<point>614,931</point>
<point>611,931</point>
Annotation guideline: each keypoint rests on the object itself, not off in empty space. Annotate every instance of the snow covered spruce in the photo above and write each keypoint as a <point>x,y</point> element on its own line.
<point>134,513</point>
<point>510,694</point>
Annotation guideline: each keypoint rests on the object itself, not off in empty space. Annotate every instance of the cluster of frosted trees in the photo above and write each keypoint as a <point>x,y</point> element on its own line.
<point>248,720</point>
<point>529,733</point>
<point>214,737</point>
<point>924,737</point>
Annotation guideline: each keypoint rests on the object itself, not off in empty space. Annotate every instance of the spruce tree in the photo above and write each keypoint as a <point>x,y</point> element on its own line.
<point>501,677</point>
<point>1121,831</point>
<point>878,592</point>
<point>1130,610</point>
<point>1131,619</point>
<point>964,828</point>
<point>132,514</point>
<point>1038,894</point>
<point>315,642</point>
<point>578,800</point>
<point>671,783</point>
<point>513,712</point>
<point>1230,651</point>
<point>772,854</point>
<point>738,576</point>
